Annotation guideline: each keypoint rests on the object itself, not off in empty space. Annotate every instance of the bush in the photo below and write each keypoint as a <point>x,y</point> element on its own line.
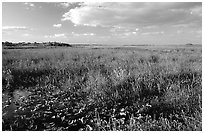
<point>154,59</point>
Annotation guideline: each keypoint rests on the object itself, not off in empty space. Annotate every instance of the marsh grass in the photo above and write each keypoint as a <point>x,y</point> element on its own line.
<point>102,89</point>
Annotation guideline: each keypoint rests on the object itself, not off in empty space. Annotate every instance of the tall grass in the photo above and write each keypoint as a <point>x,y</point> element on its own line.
<point>102,89</point>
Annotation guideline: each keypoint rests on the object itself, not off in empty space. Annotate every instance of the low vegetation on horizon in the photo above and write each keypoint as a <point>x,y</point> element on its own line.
<point>29,45</point>
<point>95,89</point>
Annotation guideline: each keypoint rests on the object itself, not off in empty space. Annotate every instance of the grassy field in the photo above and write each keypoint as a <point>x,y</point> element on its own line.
<point>102,88</point>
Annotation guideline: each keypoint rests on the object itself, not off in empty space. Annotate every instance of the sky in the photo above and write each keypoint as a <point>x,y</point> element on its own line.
<point>103,22</point>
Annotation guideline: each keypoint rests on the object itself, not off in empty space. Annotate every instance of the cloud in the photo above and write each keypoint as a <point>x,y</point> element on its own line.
<point>57,25</point>
<point>135,14</point>
<point>119,29</point>
<point>88,34</point>
<point>26,35</point>
<point>14,28</point>
<point>153,33</point>
<point>62,35</point>
<point>65,4</point>
<point>196,11</point>
<point>59,35</point>
<point>125,34</point>
<point>151,27</point>
<point>83,34</point>
<point>123,29</point>
<point>179,31</point>
<point>29,5</point>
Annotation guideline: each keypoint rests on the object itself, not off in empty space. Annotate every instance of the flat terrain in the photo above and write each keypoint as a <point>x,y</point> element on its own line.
<point>102,88</point>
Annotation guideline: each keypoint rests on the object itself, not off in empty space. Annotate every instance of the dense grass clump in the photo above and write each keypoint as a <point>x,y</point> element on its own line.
<point>101,90</point>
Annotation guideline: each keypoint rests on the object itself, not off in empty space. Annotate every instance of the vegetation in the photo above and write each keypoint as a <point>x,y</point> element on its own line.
<point>102,89</point>
<point>21,45</point>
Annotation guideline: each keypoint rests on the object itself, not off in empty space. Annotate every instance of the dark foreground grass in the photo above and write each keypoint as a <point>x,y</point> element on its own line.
<point>102,90</point>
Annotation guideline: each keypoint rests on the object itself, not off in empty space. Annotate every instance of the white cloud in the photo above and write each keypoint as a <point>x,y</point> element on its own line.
<point>124,34</point>
<point>69,4</point>
<point>26,35</point>
<point>129,33</point>
<point>123,31</point>
<point>134,14</point>
<point>151,27</point>
<point>153,33</point>
<point>65,4</point>
<point>57,25</point>
<point>83,34</point>
<point>29,5</point>
<point>75,34</point>
<point>117,28</point>
<point>59,35</point>
<point>62,35</point>
<point>88,34</point>
<point>196,32</point>
<point>196,11</point>
<point>14,28</point>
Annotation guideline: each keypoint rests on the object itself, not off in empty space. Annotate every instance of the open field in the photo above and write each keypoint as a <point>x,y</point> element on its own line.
<point>102,88</point>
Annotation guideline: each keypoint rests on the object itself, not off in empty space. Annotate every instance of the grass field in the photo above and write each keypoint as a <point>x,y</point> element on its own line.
<point>102,88</point>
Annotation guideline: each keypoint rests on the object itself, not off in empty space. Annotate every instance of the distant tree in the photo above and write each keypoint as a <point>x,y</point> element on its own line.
<point>35,43</point>
<point>189,44</point>
<point>7,43</point>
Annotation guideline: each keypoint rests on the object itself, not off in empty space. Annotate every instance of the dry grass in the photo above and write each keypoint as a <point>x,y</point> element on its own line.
<point>102,89</point>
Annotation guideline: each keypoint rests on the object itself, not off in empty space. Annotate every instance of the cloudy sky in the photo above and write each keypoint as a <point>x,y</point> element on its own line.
<point>103,23</point>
